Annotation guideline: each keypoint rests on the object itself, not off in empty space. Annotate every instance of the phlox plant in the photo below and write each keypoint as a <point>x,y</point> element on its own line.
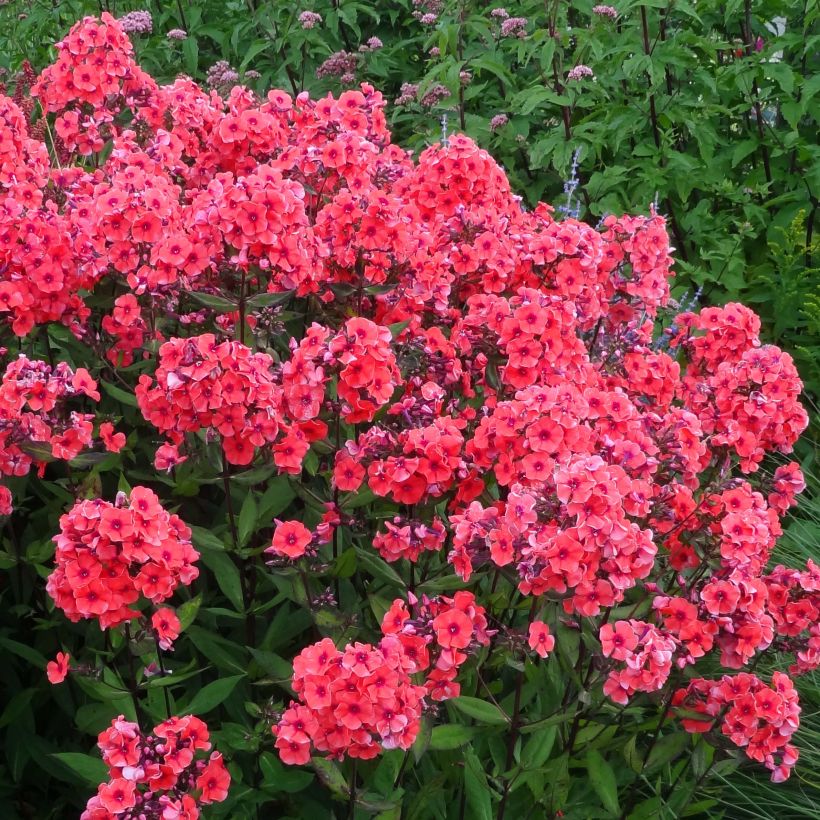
<point>337,482</point>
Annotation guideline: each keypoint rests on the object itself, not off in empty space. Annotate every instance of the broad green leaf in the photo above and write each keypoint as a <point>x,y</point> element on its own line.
<point>451,736</point>
<point>280,778</point>
<point>89,769</point>
<point>122,396</point>
<point>275,500</point>
<point>667,748</point>
<point>480,710</point>
<point>205,538</point>
<point>332,777</point>
<point>226,574</point>
<point>602,779</point>
<point>187,612</point>
<point>273,664</point>
<point>538,748</point>
<point>247,519</point>
<point>210,696</point>
<point>28,653</point>
<point>263,300</point>
<point>213,301</point>
<point>378,567</point>
<point>479,803</point>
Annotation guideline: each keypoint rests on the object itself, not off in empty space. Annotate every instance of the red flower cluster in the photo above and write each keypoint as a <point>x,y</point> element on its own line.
<point>469,354</point>
<point>646,653</point>
<point>125,323</point>
<point>793,603</point>
<point>362,699</point>
<point>159,774</point>
<point>95,70</point>
<point>418,463</point>
<point>108,555</point>
<point>42,254</point>
<point>406,538</point>
<point>35,423</point>
<point>760,719</point>
<point>365,363</point>
<point>222,387</point>
<point>451,627</point>
<point>354,702</point>
<point>745,394</point>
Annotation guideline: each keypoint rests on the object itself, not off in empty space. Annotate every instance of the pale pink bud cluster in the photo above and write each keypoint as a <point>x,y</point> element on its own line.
<point>514,27</point>
<point>137,22</point>
<point>310,19</point>
<point>579,72</point>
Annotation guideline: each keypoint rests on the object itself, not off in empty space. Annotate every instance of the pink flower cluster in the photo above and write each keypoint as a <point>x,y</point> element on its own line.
<point>160,774</point>
<point>355,701</point>
<point>36,424</point>
<point>759,719</point>
<point>646,654</point>
<point>359,700</point>
<point>221,387</point>
<point>110,555</point>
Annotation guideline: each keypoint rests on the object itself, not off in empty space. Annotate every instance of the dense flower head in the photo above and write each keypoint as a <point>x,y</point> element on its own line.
<point>745,393</point>
<point>109,556</point>
<point>36,422</point>
<point>223,387</point>
<point>361,699</point>
<point>162,774</point>
<point>407,538</point>
<point>95,66</point>
<point>353,701</point>
<point>760,719</point>
<point>646,653</point>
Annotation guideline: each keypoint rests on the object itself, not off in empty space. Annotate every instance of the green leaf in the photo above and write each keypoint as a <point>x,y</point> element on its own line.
<point>187,612</point>
<point>278,778</point>
<point>90,769</point>
<point>479,804</point>
<point>667,748</point>
<point>16,706</point>
<point>263,300</point>
<point>190,51</point>
<point>538,748</point>
<point>602,779</point>
<point>26,652</point>
<point>210,696</point>
<point>451,736</point>
<point>275,500</point>
<point>378,567</point>
<point>219,651</point>
<point>226,575</point>
<point>247,519</point>
<point>345,564</point>
<point>273,664</point>
<point>422,741</point>
<point>742,150</point>
<point>332,777</point>
<point>206,539</point>
<point>122,396</point>
<point>480,710</point>
<point>213,301</point>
